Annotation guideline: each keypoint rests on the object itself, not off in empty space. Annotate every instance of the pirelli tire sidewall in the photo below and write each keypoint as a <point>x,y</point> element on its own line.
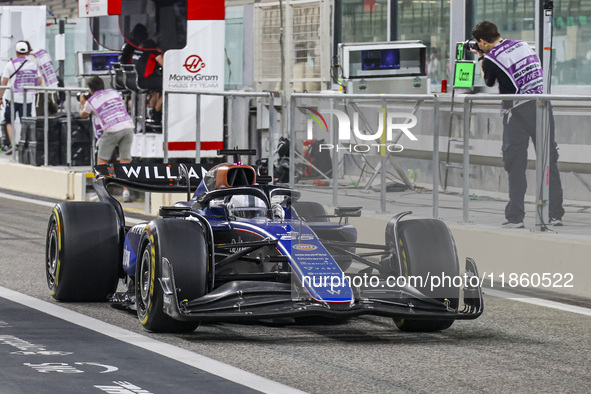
<point>83,251</point>
<point>183,244</point>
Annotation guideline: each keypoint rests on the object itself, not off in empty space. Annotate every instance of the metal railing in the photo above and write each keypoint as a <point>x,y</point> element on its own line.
<point>383,99</point>
<point>68,109</point>
<point>542,145</point>
<point>542,139</point>
<point>268,95</point>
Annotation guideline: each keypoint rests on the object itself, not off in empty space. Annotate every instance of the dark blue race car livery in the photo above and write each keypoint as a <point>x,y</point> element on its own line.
<point>239,248</point>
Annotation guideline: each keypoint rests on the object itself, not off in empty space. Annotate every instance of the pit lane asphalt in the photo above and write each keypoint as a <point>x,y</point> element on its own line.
<point>513,347</point>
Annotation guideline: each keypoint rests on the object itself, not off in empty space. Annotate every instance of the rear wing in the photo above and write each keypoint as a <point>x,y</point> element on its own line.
<point>165,178</point>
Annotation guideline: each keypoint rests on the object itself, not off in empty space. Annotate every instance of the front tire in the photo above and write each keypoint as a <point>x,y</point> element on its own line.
<point>83,251</point>
<point>428,248</point>
<point>183,244</point>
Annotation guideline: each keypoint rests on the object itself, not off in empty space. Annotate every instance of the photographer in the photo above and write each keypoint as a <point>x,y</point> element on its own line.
<point>517,69</point>
<point>111,116</point>
<point>109,111</point>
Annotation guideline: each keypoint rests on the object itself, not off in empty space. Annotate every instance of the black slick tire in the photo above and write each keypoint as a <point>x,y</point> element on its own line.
<point>428,248</point>
<point>83,251</point>
<point>183,244</point>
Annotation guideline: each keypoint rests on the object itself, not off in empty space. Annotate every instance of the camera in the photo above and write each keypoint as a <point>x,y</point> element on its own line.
<point>472,44</point>
<point>85,94</point>
<point>463,48</point>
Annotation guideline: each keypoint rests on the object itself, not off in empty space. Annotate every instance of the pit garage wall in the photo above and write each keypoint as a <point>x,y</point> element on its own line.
<point>49,182</point>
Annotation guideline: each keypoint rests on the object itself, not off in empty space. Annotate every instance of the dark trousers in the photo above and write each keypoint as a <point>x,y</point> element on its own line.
<point>18,111</point>
<point>518,127</point>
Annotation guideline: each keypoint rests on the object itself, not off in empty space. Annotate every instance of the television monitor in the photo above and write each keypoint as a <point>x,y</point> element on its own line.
<point>102,62</point>
<point>380,59</point>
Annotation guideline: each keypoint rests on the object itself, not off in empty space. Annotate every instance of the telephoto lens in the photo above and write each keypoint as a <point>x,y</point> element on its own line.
<point>472,44</point>
<point>85,94</point>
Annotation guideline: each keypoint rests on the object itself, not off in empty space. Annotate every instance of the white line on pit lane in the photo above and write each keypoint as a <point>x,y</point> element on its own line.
<point>52,204</point>
<point>192,359</point>
<point>538,301</point>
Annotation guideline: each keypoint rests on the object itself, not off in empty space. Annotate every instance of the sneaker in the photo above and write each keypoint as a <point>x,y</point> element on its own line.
<point>126,196</point>
<point>8,151</point>
<point>555,222</point>
<point>508,224</point>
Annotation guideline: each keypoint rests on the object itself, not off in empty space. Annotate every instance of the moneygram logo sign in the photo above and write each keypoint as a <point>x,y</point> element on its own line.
<point>192,78</point>
<point>388,123</point>
<point>194,64</point>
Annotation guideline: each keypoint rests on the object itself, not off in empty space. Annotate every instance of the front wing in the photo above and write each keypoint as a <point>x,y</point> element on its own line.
<point>256,300</point>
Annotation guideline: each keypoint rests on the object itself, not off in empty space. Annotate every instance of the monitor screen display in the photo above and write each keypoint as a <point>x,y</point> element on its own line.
<point>380,59</point>
<point>102,62</point>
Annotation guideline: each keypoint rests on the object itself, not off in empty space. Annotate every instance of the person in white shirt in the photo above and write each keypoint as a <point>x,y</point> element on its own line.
<point>18,73</point>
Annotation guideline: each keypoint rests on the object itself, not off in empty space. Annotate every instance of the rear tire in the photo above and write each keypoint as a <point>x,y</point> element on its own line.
<point>310,211</point>
<point>428,248</point>
<point>183,244</point>
<point>83,251</point>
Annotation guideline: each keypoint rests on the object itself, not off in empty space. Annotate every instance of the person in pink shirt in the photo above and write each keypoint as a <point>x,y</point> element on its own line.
<point>109,113</point>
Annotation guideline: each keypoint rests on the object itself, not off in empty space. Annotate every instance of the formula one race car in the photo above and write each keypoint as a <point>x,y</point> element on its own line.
<point>242,249</point>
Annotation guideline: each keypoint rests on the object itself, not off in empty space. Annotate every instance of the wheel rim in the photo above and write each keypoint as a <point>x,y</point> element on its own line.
<point>144,280</point>
<point>52,255</point>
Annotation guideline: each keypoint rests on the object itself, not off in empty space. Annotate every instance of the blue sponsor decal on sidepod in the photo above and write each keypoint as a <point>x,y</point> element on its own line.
<point>318,271</point>
<point>313,265</point>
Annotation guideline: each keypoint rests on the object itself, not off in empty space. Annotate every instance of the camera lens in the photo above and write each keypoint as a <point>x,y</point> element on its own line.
<point>86,95</point>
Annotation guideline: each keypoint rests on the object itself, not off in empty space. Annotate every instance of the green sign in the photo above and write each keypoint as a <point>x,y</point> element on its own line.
<point>464,74</point>
<point>460,51</point>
